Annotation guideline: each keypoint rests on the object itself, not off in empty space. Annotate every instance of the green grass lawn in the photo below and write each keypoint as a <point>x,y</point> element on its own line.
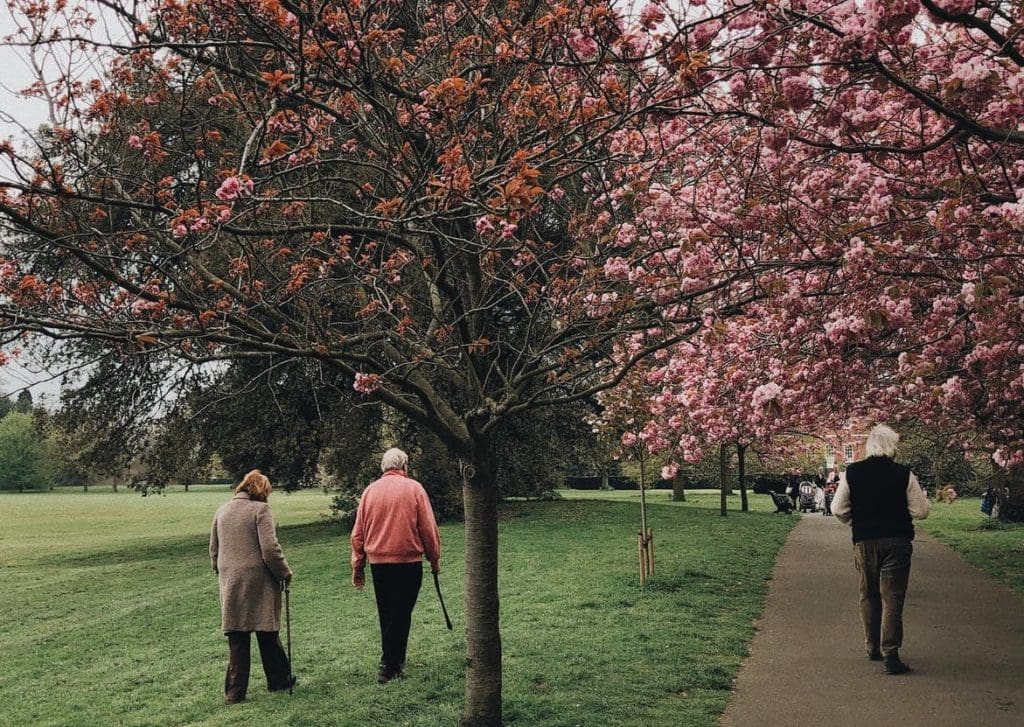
<point>110,615</point>
<point>694,498</point>
<point>996,548</point>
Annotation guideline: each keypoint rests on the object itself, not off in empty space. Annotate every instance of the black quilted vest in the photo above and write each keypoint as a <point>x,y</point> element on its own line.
<point>878,496</point>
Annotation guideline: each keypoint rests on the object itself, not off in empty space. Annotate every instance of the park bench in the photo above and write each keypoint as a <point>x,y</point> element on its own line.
<point>782,502</point>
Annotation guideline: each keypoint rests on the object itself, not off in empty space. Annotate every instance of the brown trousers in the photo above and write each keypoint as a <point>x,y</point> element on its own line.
<point>884,568</point>
<point>272,654</point>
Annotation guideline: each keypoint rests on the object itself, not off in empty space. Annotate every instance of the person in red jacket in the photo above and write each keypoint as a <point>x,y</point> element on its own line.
<point>394,529</point>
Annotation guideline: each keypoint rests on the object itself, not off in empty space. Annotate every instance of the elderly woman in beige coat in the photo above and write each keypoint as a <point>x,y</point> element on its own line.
<point>251,569</point>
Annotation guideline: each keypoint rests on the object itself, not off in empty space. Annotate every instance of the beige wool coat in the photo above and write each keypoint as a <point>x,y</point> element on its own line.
<point>249,563</point>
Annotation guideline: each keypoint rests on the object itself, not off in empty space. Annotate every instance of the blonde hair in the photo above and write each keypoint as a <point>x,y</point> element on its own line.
<point>881,442</point>
<point>256,484</point>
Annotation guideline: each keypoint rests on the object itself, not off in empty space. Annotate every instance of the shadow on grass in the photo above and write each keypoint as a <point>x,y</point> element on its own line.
<point>543,513</point>
<point>996,524</point>
<point>678,581</point>
<point>190,547</point>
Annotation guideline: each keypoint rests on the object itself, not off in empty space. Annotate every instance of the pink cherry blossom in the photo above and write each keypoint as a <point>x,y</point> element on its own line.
<point>582,44</point>
<point>651,15</point>
<point>234,187</point>
<point>366,383</point>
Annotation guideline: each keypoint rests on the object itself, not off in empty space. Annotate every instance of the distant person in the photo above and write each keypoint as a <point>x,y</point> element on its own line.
<point>394,529</point>
<point>830,494</point>
<point>819,499</point>
<point>251,570</point>
<point>878,497</point>
<point>987,500</point>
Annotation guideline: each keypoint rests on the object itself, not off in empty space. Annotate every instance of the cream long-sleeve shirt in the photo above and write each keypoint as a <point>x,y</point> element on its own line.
<point>917,501</point>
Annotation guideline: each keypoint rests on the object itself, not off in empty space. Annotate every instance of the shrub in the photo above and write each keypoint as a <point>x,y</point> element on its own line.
<point>576,482</point>
<point>343,508</point>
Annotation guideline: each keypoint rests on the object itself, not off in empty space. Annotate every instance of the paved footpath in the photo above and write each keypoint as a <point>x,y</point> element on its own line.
<point>963,638</point>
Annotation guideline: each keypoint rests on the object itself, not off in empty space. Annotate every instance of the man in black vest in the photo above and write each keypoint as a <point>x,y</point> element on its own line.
<point>879,498</point>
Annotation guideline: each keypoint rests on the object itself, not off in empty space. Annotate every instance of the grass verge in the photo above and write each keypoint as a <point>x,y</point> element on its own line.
<point>995,547</point>
<point>110,616</point>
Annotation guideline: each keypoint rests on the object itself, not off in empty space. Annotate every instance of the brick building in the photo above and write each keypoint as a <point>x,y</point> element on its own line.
<point>845,445</point>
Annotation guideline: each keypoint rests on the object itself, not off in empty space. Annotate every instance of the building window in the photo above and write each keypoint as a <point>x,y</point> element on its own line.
<point>830,456</point>
<point>848,452</point>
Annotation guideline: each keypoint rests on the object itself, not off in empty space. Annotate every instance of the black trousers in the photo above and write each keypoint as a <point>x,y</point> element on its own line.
<point>272,654</point>
<point>396,587</point>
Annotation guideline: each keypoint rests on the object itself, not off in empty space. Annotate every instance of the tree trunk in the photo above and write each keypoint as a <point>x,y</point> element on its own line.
<point>723,468</point>
<point>678,489</point>
<point>186,487</point>
<point>646,561</point>
<point>726,469</point>
<point>482,707</point>
<point>741,475</point>
<point>1009,497</point>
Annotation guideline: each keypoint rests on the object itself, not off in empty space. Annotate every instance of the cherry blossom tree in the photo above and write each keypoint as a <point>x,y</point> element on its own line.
<point>431,199</point>
<point>877,147</point>
<point>908,116</point>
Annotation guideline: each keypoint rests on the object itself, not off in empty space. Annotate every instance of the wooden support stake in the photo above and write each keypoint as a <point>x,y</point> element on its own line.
<point>643,558</point>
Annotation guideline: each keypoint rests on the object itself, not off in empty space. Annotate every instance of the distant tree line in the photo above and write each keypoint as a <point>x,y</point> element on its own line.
<point>148,423</point>
<point>32,453</point>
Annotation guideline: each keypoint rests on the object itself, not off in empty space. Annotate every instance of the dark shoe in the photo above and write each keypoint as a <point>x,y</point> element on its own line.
<point>386,674</point>
<point>233,700</point>
<point>894,665</point>
<point>875,655</point>
<point>292,681</point>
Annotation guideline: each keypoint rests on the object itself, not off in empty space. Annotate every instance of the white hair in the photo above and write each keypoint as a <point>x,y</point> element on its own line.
<point>394,459</point>
<point>881,441</point>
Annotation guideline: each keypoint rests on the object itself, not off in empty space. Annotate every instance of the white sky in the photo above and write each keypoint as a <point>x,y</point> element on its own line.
<point>17,112</point>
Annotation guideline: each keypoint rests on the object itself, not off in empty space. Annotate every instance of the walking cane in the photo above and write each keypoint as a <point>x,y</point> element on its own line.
<point>437,585</point>
<point>288,631</point>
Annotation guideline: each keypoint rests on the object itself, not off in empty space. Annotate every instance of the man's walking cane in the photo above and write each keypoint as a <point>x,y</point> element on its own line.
<point>437,585</point>
<point>288,631</point>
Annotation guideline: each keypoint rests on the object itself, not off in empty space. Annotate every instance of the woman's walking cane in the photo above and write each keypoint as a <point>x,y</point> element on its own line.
<point>288,631</point>
<point>437,585</point>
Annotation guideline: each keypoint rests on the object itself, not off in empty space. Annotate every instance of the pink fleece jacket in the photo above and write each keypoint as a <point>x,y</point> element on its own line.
<point>395,524</point>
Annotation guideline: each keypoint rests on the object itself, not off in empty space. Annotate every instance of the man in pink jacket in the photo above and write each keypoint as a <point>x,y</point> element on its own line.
<point>394,529</point>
